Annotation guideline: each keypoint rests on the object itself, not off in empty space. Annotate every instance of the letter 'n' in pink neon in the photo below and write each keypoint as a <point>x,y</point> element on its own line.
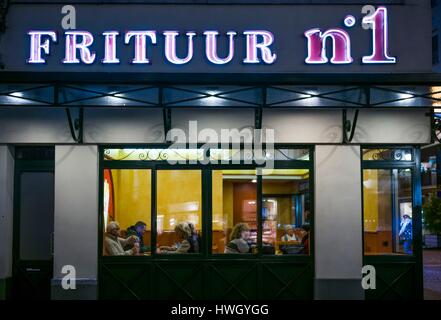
<point>317,46</point>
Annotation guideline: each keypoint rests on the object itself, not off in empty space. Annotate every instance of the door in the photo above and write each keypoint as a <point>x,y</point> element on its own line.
<point>33,229</point>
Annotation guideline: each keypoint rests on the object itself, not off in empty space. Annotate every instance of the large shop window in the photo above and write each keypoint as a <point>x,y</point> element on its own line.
<point>127,212</point>
<point>179,211</point>
<point>152,207</point>
<point>388,202</point>
<point>234,211</point>
<point>286,214</point>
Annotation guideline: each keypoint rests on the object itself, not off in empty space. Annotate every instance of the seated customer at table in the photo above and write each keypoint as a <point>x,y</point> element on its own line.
<point>239,239</point>
<point>139,230</point>
<point>195,239</point>
<point>289,234</point>
<point>114,244</point>
<point>305,242</point>
<point>183,233</point>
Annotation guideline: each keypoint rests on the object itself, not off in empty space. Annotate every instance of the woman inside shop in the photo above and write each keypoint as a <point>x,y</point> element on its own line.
<point>183,232</point>
<point>239,238</point>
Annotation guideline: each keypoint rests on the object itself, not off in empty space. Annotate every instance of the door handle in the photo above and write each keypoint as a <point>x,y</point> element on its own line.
<point>32,270</point>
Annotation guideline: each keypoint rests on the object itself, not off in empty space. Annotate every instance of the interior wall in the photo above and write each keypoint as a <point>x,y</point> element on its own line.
<point>132,197</point>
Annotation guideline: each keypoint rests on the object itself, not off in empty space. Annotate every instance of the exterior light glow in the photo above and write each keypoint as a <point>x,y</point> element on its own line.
<point>72,46</point>
<point>317,46</point>
<point>170,47</point>
<point>110,47</point>
<point>36,47</point>
<point>380,40</point>
<point>253,46</point>
<point>211,47</point>
<point>140,44</point>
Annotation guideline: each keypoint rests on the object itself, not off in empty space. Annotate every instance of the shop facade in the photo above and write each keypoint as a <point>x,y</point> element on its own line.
<point>306,116</point>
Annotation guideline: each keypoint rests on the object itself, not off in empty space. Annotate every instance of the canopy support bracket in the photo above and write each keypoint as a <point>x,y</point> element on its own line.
<point>76,125</point>
<point>348,126</point>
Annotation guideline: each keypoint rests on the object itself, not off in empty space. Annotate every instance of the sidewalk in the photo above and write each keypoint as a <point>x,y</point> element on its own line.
<point>432,274</point>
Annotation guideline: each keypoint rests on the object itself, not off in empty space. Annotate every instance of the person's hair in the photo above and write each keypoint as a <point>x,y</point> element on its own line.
<point>406,216</point>
<point>140,224</point>
<point>192,227</point>
<point>183,229</point>
<point>112,226</point>
<point>237,230</point>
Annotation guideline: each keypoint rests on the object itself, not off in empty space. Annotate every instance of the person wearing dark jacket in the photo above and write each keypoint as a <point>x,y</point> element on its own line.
<point>139,230</point>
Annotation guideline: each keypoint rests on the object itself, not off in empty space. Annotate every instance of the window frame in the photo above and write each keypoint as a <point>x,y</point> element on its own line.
<point>414,166</point>
<point>206,176</point>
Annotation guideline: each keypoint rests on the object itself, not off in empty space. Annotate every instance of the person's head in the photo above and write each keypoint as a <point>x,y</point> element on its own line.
<point>289,230</point>
<point>406,216</point>
<point>183,230</point>
<point>240,231</point>
<point>192,228</point>
<point>113,228</point>
<point>140,227</point>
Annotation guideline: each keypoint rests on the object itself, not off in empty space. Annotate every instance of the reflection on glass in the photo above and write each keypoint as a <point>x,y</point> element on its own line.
<point>179,211</point>
<point>391,154</point>
<point>127,212</point>
<point>176,155</point>
<point>286,211</point>
<point>387,211</point>
<point>234,206</point>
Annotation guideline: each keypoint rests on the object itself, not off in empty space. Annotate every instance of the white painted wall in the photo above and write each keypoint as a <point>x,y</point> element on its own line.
<point>76,210</point>
<point>215,120</point>
<point>6,210</point>
<point>338,212</point>
<point>146,126</point>
<point>304,126</point>
<point>123,126</point>
<point>34,125</point>
<point>392,126</point>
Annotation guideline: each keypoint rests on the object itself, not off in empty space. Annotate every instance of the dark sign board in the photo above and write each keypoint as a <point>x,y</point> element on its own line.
<point>221,39</point>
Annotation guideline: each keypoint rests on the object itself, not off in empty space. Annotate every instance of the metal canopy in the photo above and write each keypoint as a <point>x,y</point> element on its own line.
<point>219,96</point>
<point>76,97</point>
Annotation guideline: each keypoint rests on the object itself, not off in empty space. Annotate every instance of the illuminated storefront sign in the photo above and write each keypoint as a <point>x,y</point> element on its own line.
<point>79,45</point>
<point>155,40</point>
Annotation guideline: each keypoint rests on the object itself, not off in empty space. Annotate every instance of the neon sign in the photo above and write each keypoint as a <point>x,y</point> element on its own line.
<point>258,45</point>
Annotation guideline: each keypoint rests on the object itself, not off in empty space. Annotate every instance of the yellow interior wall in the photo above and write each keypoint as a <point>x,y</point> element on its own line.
<point>179,197</point>
<point>279,187</point>
<point>222,204</point>
<point>132,191</point>
<point>370,200</point>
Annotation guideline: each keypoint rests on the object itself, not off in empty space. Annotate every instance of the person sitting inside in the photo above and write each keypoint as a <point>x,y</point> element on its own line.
<point>139,230</point>
<point>195,239</point>
<point>305,240</point>
<point>183,233</point>
<point>239,239</point>
<point>114,244</point>
<point>289,234</point>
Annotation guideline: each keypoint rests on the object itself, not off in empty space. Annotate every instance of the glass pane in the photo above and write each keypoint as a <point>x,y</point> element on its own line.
<point>36,215</point>
<point>287,154</point>
<point>127,212</point>
<point>404,154</point>
<point>175,155</point>
<point>286,211</point>
<point>234,211</point>
<point>387,211</point>
<point>179,211</point>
